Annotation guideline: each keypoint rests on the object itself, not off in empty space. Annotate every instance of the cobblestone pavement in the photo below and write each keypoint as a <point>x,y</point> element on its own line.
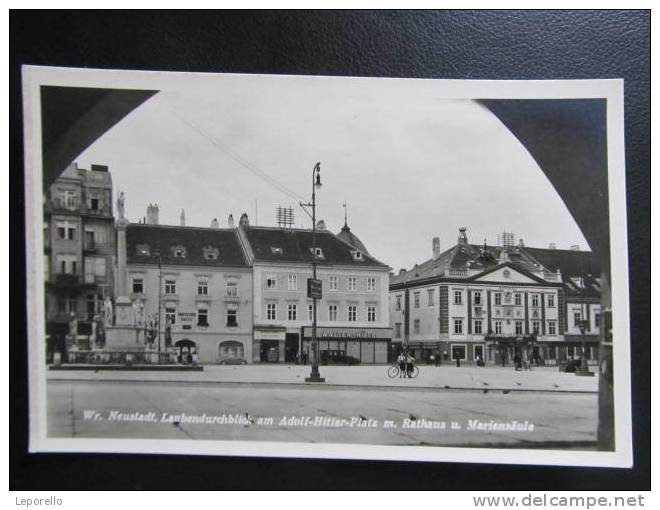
<point>120,409</point>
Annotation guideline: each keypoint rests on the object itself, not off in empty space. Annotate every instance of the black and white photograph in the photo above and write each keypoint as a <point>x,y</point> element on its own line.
<point>327,267</point>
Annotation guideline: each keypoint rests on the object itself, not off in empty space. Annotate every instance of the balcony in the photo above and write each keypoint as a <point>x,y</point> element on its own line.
<point>460,273</point>
<point>91,246</point>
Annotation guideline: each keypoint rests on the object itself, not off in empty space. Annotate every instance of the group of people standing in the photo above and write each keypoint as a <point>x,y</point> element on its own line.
<point>406,364</point>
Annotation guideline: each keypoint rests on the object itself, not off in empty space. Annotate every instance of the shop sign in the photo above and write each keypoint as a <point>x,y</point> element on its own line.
<point>348,333</point>
<point>186,316</point>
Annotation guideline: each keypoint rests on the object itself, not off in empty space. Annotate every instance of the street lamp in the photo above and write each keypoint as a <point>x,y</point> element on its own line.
<point>160,285</point>
<point>314,287</point>
<point>583,370</point>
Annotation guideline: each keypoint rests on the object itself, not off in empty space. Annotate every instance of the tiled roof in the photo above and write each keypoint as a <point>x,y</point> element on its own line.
<point>199,244</point>
<point>271,244</point>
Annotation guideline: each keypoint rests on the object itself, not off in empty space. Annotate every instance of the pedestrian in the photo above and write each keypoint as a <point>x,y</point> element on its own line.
<point>410,365</point>
<point>401,359</point>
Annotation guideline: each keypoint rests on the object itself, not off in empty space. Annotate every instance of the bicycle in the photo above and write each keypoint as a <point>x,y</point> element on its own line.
<point>395,371</point>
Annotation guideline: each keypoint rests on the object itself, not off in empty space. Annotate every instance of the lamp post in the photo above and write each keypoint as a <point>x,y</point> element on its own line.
<point>160,285</point>
<point>314,288</point>
<point>583,370</point>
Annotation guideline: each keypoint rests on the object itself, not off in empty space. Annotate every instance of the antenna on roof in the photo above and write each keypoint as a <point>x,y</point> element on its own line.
<point>285,217</point>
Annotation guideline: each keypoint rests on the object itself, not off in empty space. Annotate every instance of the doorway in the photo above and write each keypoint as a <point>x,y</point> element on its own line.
<point>269,351</point>
<point>291,347</point>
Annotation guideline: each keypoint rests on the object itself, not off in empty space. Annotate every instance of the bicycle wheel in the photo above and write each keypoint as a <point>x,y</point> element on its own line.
<point>415,372</point>
<point>393,372</point>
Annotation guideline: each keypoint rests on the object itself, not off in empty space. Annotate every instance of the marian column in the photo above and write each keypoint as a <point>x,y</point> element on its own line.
<point>123,335</point>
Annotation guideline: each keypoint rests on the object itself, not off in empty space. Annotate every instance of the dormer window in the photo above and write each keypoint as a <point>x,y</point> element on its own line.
<point>143,250</point>
<point>276,250</point>
<point>317,252</point>
<point>178,252</point>
<point>211,253</point>
<point>357,255</point>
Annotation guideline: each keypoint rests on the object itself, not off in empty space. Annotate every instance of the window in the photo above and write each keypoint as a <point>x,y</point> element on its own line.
<point>333,283</point>
<point>292,282</point>
<point>352,313</point>
<point>352,283</point>
<point>89,238</point>
<point>310,312</point>
<point>478,327</point>
<point>211,253</point>
<point>477,298</point>
<point>271,281</point>
<point>535,300</point>
<point>416,326</point>
<point>498,327</point>
<point>536,327</point>
<point>397,305</point>
<point>570,351</point>
<point>231,289</point>
<point>371,314</point>
<point>597,320</point>
<point>371,284</point>
<point>170,315</point>
<point>170,287</point>
<point>498,298</point>
<point>138,285</point>
<point>202,317</point>
<point>94,203</point>
<point>458,297</point>
<point>552,353</point>
<point>67,305</point>
<point>271,309</point>
<point>66,231</point>
<point>458,326</point>
<point>507,298</point>
<point>431,296</point>
<point>357,255</point>
<point>332,312</point>
<point>232,319</point>
<point>517,299</point>
<point>292,312</point>
<point>317,252</point>
<point>178,252</point>
<point>519,328</point>
<point>416,299</point>
<point>397,330</point>
<point>67,264</point>
<point>551,300</point>
<point>577,318</point>
<point>67,199</point>
<point>552,328</point>
<point>202,288</point>
<point>458,352</point>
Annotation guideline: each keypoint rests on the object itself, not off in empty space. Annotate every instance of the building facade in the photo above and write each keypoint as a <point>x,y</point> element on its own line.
<point>197,283</point>
<point>353,315</point>
<point>79,247</point>
<point>494,304</point>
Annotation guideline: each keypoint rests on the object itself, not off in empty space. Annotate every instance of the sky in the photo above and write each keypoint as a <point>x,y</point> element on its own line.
<point>410,164</point>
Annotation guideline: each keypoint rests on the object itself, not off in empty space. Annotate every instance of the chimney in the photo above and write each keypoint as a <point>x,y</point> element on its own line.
<point>462,236</point>
<point>320,225</point>
<point>244,221</point>
<point>521,243</point>
<point>552,246</point>
<point>214,223</point>
<point>436,248</point>
<point>230,221</point>
<point>152,214</point>
<point>575,247</point>
<point>402,271</point>
<point>183,218</point>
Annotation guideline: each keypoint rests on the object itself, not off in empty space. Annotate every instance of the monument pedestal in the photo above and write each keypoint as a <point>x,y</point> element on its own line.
<point>124,335</point>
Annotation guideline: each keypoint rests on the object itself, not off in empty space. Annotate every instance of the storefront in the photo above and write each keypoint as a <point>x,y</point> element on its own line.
<point>269,344</point>
<point>348,345</point>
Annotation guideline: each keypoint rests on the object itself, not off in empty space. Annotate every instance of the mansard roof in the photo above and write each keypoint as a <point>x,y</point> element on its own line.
<point>270,244</point>
<point>201,246</point>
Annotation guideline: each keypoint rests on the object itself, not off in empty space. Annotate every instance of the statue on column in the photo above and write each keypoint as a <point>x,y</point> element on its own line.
<point>108,312</point>
<point>120,204</point>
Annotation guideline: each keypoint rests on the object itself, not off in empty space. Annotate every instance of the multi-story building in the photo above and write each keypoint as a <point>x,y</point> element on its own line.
<point>79,243</point>
<point>198,282</point>
<point>353,315</point>
<point>494,302</point>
